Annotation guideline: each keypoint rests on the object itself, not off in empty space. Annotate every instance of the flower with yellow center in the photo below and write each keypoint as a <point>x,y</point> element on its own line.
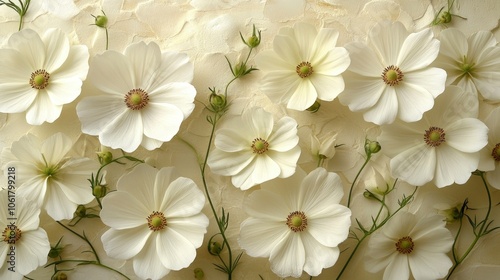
<point>155,219</point>
<point>410,245</point>
<point>389,76</point>
<point>443,147</point>
<point>253,149</point>
<point>303,66</point>
<point>296,222</point>
<point>49,74</point>
<point>145,95</point>
<point>22,238</point>
<point>490,154</point>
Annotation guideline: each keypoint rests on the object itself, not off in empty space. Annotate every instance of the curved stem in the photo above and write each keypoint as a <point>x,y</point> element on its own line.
<point>107,38</point>
<point>355,179</point>
<point>352,255</point>
<point>84,239</point>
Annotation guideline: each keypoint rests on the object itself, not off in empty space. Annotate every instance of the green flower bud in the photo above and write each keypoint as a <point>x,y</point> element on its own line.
<point>451,214</point>
<point>105,156</point>
<point>214,248</point>
<point>198,274</point>
<point>368,195</point>
<point>372,147</point>
<point>217,102</point>
<point>315,107</point>
<point>99,191</point>
<point>101,21</point>
<point>240,70</point>
<point>60,276</point>
<point>445,17</point>
<point>81,211</point>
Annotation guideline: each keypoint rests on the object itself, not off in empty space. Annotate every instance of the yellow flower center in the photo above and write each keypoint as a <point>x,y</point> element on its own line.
<point>392,75</point>
<point>495,153</point>
<point>259,146</point>
<point>11,234</point>
<point>434,136</point>
<point>156,221</point>
<point>296,221</point>
<point>136,99</point>
<point>405,245</point>
<point>304,69</point>
<point>466,66</point>
<point>39,79</point>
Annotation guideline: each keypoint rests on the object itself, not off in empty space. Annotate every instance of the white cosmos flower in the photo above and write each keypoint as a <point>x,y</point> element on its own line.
<point>443,147</point>
<point>39,74</point>
<point>490,155</point>
<point>297,223</point>
<point>155,220</point>
<point>145,96</point>
<point>390,77</point>
<point>408,242</point>
<point>253,149</point>
<point>24,245</point>
<point>303,66</point>
<point>471,63</point>
<point>47,176</point>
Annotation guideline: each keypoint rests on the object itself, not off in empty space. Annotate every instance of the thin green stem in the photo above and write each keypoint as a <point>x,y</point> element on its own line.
<point>352,255</point>
<point>355,179</point>
<point>84,238</point>
<point>107,38</point>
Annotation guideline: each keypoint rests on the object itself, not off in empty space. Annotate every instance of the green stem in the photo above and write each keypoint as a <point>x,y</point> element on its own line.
<point>352,255</point>
<point>84,239</point>
<point>107,38</point>
<point>355,179</point>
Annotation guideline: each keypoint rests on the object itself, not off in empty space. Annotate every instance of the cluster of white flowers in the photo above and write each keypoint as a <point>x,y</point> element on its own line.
<point>426,99</point>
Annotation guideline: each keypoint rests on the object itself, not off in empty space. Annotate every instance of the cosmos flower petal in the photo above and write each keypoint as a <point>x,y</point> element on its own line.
<point>178,94</point>
<point>317,256</point>
<point>75,67</point>
<point>418,51</point>
<point>288,257</point>
<point>161,121</point>
<point>385,110</point>
<point>98,112</point>
<point>174,250</point>
<point>386,39</point>
<point>280,85</point>
<point>429,79</point>
<point>259,237</point>
<point>397,269</point>
<point>16,97</point>
<point>360,92</point>
<point>146,59</point>
<point>112,73</point>
<point>453,44</point>
<point>268,61</point>
<point>238,162</point>
<point>31,51</point>
<point>429,266</point>
<point>330,231</point>
<point>363,60</point>
<point>128,126</point>
<point>325,37</point>
<point>327,87</point>
<point>467,135</point>
<point>478,42</point>
<point>285,135</point>
<point>56,49</point>
<point>415,165</point>
<point>303,97</point>
<point>182,198</point>
<point>287,48</point>
<point>42,110</point>
<point>333,63</point>
<point>175,67</point>
<point>147,264</point>
<point>192,228</point>
<point>57,204</point>
<point>124,211</point>
<point>458,167</point>
<point>266,206</point>
<point>55,147</point>
<point>413,102</point>
<point>32,251</point>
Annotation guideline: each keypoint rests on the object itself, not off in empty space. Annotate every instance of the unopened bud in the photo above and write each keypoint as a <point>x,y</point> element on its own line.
<point>81,211</point>
<point>198,274</point>
<point>214,248</point>
<point>315,107</point>
<point>99,191</point>
<point>372,147</point>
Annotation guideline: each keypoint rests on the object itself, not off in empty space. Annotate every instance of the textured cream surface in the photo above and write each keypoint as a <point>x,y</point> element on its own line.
<point>208,30</point>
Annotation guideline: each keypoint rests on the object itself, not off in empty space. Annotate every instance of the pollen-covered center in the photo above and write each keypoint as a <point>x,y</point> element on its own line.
<point>11,234</point>
<point>434,136</point>
<point>495,153</point>
<point>304,69</point>
<point>296,221</point>
<point>392,75</point>
<point>259,146</point>
<point>157,221</point>
<point>136,99</point>
<point>39,79</point>
<point>405,245</point>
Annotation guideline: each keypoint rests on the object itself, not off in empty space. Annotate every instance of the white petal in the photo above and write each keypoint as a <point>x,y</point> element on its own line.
<point>174,250</point>
<point>431,79</point>
<point>385,110</point>
<point>454,166</point>
<point>174,67</point>
<point>161,121</point>
<point>111,72</point>
<point>150,143</point>
<point>305,36</point>
<point>32,251</point>
<point>413,101</point>
<point>324,42</point>
<point>330,230</point>
<point>429,265</point>
<point>127,243</point>
<point>269,61</point>
<point>263,168</point>
<point>55,148</point>
<point>333,63</point>
<point>63,92</point>
<point>57,204</point>
<point>27,149</point>
<point>29,43</point>
<point>361,92</point>
<point>42,110</point>
<point>288,49</point>
<point>229,164</point>
<point>320,193</point>
<point>74,180</point>
<point>76,65</point>
<point>33,189</point>
<point>486,74</point>
<point>279,86</point>
<point>386,38</point>
<point>478,42</point>
<point>467,135</point>
<point>453,44</point>
<point>327,87</point>
<point>56,49</point>
<point>140,184</point>
<point>258,238</point>
<point>364,60</point>
<point>97,112</point>
<point>229,140</point>
<point>493,178</point>
<point>284,137</point>
<point>121,210</point>
<point>27,214</point>
<point>144,59</point>
<point>418,51</point>
<point>398,269</point>
<point>267,207</point>
<point>288,257</point>
<point>180,95</point>
<point>415,165</point>
<point>303,97</point>
<point>147,263</point>
<point>182,198</point>
<point>16,97</point>
<point>259,122</point>
<point>318,256</point>
<point>125,132</point>
<point>192,228</point>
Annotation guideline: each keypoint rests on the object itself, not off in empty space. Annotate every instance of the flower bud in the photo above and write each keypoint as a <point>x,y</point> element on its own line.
<point>101,21</point>
<point>254,40</point>
<point>60,276</point>
<point>198,273</point>
<point>368,194</point>
<point>217,102</point>
<point>450,213</point>
<point>99,191</point>
<point>315,107</point>
<point>214,248</point>
<point>445,17</point>
<point>372,147</point>
<point>240,70</point>
<point>105,156</point>
<point>81,211</point>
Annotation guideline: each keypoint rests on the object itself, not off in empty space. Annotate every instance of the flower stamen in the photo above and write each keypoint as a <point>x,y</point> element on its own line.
<point>434,136</point>
<point>39,79</point>
<point>405,245</point>
<point>392,75</point>
<point>304,69</point>
<point>495,153</point>
<point>296,221</point>
<point>156,221</point>
<point>136,99</point>
<point>259,146</point>
<point>11,234</point>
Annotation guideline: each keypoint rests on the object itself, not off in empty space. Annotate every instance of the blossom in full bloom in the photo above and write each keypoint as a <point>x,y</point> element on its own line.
<point>145,94</point>
<point>409,243</point>
<point>24,245</point>
<point>390,77</point>
<point>443,147</point>
<point>297,223</point>
<point>47,176</point>
<point>155,219</point>
<point>303,66</point>
<point>253,149</point>
<point>490,155</point>
<point>39,74</point>
<point>471,63</point>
